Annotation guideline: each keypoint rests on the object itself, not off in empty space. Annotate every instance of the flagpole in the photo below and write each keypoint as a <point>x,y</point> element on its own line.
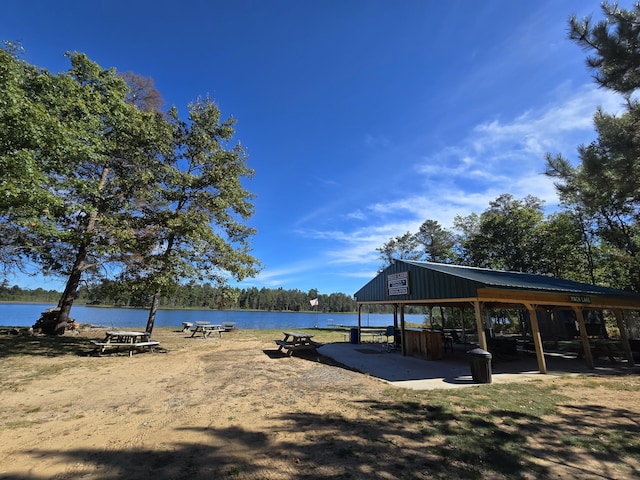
<point>314,303</point>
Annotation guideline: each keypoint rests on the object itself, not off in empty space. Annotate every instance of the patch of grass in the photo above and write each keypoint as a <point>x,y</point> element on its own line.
<point>77,416</point>
<point>234,471</point>
<point>612,442</point>
<point>621,383</point>
<point>21,423</point>
<point>483,430</point>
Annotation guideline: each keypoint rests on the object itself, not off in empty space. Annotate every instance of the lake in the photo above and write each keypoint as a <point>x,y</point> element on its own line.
<point>26,314</point>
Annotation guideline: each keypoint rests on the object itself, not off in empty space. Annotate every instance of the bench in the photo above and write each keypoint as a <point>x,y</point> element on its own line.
<point>290,347</point>
<point>131,346</point>
<point>207,329</point>
<point>375,335</point>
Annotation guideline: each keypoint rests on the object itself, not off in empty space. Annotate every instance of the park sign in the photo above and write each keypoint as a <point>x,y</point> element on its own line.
<point>580,299</point>
<point>398,283</point>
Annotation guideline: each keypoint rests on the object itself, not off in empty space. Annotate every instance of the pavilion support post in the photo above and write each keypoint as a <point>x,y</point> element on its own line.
<point>537,339</point>
<point>464,333</point>
<point>359,320</point>
<point>430,308</point>
<point>624,338</point>
<point>482,338</point>
<point>395,315</point>
<point>403,342</point>
<point>554,326</point>
<point>586,347</point>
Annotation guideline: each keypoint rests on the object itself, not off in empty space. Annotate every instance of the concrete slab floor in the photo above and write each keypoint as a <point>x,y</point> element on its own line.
<point>454,370</point>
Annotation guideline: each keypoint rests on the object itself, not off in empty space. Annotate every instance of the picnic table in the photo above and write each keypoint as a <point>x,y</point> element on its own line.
<point>375,334</point>
<point>294,341</point>
<point>125,339</point>
<point>600,347</point>
<point>207,329</point>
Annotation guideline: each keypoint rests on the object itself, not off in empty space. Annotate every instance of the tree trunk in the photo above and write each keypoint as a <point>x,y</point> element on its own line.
<point>55,323</point>
<point>73,282</point>
<point>152,313</point>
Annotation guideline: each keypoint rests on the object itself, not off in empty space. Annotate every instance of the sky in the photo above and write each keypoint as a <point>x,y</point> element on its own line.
<point>361,118</point>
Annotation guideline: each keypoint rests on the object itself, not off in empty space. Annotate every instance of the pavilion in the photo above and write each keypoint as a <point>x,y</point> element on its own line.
<point>430,284</point>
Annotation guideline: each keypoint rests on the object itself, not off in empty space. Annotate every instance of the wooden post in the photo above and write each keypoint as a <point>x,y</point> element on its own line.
<point>482,339</point>
<point>395,315</point>
<point>402,335</point>
<point>586,347</point>
<point>624,338</point>
<point>464,334</point>
<point>537,339</point>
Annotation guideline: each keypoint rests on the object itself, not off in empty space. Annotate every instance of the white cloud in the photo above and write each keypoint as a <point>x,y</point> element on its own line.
<point>496,157</point>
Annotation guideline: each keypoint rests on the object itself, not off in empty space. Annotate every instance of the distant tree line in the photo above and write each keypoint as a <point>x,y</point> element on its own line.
<point>193,295</point>
<point>17,294</point>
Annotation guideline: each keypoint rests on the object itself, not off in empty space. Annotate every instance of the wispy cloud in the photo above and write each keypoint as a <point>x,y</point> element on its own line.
<point>495,157</point>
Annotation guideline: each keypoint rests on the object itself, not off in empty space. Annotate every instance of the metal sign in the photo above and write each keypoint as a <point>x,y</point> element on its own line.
<point>398,283</point>
<point>580,299</point>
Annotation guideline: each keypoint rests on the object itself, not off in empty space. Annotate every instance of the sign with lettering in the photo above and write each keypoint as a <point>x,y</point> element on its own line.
<point>398,283</point>
<point>580,299</point>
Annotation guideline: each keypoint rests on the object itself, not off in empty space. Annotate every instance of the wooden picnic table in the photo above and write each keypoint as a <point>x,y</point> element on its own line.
<point>125,339</point>
<point>600,347</point>
<point>294,341</point>
<point>207,329</point>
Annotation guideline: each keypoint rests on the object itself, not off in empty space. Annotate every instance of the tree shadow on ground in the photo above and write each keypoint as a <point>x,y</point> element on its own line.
<point>43,345</point>
<point>55,346</point>
<point>415,439</point>
<point>311,356</point>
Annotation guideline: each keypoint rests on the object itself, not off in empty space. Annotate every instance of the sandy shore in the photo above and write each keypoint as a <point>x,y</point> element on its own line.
<point>210,408</point>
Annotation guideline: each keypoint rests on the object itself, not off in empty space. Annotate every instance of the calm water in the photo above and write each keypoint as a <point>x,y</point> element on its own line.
<point>25,315</point>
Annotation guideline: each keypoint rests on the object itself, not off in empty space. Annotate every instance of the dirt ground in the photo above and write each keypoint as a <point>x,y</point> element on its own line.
<point>232,407</point>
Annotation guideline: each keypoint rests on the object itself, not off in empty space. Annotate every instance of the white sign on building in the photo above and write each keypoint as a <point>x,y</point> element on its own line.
<point>398,283</point>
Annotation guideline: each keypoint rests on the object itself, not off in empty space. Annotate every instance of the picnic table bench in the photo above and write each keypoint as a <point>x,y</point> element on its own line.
<point>294,341</point>
<point>207,329</point>
<point>126,340</point>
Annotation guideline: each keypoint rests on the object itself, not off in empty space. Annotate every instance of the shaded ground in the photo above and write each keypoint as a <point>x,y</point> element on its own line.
<point>235,408</point>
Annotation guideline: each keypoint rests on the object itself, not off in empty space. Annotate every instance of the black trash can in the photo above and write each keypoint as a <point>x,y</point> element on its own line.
<point>354,336</point>
<point>480,361</point>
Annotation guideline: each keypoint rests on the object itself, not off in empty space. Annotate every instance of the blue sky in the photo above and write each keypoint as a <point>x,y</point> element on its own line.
<point>361,118</point>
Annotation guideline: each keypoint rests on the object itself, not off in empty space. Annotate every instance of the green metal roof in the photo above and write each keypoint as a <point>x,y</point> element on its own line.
<point>432,281</point>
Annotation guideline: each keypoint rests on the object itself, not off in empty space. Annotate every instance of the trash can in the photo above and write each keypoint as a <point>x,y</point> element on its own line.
<point>480,361</point>
<point>354,337</point>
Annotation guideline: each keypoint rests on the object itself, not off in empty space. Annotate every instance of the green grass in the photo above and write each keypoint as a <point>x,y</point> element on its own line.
<point>618,443</point>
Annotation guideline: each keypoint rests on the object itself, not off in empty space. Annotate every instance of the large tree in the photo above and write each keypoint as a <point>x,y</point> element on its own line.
<point>437,242</point>
<point>505,236</point>
<point>614,46</point>
<point>605,186</point>
<point>193,220</point>
<point>403,247</point>
<point>90,154</point>
<point>28,132</point>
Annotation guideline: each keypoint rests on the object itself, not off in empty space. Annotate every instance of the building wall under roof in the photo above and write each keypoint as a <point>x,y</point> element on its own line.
<point>424,284</point>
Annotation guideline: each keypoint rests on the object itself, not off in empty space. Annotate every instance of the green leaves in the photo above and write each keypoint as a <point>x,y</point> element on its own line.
<point>93,177</point>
